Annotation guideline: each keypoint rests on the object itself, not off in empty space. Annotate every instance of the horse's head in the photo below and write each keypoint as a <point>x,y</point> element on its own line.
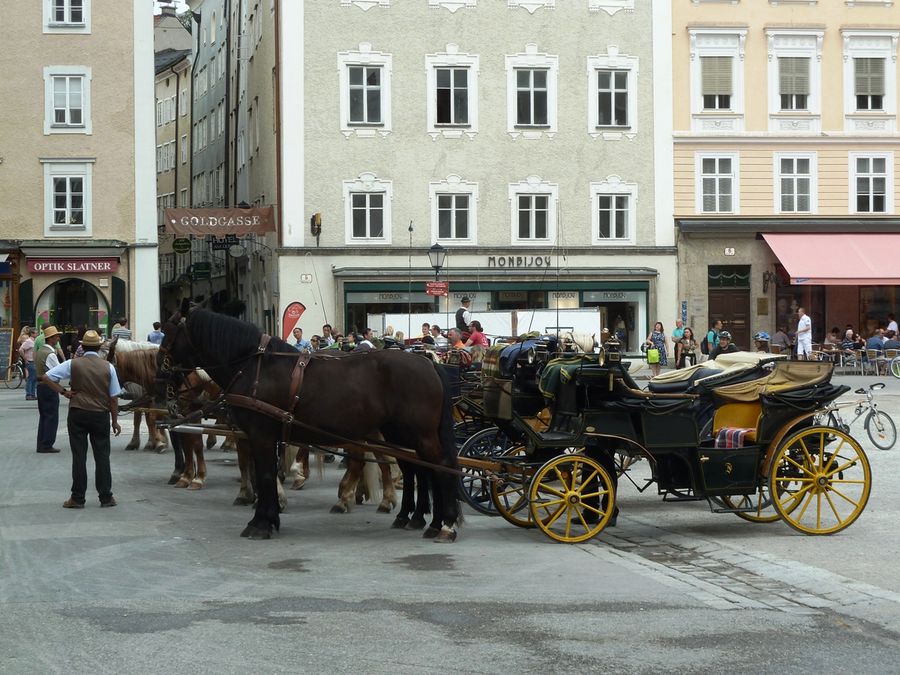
<point>111,350</point>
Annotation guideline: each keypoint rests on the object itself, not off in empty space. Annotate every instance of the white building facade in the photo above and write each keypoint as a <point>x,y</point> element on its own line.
<point>530,139</point>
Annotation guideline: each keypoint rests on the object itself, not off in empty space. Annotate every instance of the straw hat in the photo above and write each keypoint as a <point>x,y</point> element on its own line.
<point>91,339</point>
<point>50,331</point>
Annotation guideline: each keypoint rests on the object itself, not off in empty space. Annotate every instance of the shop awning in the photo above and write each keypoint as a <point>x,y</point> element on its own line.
<point>838,259</point>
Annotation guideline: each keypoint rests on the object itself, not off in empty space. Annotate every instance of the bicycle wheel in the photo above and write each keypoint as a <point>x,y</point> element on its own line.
<point>881,429</point>
<point>14,377</point>
<point>894,367</point>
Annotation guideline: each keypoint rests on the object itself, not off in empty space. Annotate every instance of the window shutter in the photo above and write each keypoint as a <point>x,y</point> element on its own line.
<point>793,75</point>
<point>716,75</point>
<point>869,77</point>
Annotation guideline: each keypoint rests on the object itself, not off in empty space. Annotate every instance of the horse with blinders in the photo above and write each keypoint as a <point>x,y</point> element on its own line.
<point>277,395</point>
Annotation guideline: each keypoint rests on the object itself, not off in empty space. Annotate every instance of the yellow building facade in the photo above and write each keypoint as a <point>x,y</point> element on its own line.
<point>785,162</point>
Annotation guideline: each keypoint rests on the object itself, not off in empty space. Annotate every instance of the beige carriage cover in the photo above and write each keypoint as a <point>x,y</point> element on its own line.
<point>786,376</point>
<point>730,363</point>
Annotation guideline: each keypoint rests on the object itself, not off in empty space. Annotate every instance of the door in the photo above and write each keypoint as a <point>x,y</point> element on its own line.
<point>732,306</point>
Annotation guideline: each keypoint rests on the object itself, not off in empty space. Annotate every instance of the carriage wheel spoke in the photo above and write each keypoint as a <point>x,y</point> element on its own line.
<point>585,483</point>
<point>555,516</point>
<point>601,493</point>
<point>844,497</point>
<point>794,498</point>
<point>800,466</point>
<point>544,505</point>
<point>857,481</point>
<point>543,487</point>
<point>850,462</point>
<point>833,509</point>
<point>592,508</point>
<point>568,521</point>
<point>583,521</point>
<point>805,450</point>
<point>561,478</point>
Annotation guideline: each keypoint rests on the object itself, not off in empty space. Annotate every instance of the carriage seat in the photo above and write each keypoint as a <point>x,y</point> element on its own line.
<point>736,424</point>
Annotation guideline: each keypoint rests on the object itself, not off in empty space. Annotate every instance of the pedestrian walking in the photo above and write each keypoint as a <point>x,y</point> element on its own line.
<point>121,330</point>
<point>47,357</point>
<point>26,351</point>
<point>156,336</point>
<point>804,335</point>
<point>657,341</point>
<point>92,408</point>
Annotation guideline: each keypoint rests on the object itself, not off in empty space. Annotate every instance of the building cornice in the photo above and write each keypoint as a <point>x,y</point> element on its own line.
<point>766,138</point>
<point>693,225</point>
<point>454,252</point>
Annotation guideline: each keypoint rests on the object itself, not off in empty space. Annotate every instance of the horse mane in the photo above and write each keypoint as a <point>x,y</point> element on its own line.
<point>138,366</point>
<point>131,346</point>
<point>228,338</point>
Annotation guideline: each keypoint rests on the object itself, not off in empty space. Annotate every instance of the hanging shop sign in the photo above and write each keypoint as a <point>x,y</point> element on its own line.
<point>181,245</point>
<point>220,222</point>
<point>73,265</point>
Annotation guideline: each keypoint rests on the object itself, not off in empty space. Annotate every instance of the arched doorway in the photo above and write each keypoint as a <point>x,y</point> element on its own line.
<point>73,306</point>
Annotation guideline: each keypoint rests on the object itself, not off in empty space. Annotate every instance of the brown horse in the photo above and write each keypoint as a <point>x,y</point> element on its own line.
<point>385,395</point>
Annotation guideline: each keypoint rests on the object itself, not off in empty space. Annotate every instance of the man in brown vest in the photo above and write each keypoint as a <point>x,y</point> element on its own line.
<point>92,400</point>
<point>48,400</point>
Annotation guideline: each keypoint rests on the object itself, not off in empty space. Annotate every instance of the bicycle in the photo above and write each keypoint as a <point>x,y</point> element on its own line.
<point>878,424</point>
<point>894,367</point>
<point>15,375</point>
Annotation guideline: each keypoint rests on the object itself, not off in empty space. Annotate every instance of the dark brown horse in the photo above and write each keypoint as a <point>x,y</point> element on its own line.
<point>385,395</point>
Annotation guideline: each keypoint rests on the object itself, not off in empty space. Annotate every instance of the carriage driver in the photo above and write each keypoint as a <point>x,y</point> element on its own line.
<point>92,403</point>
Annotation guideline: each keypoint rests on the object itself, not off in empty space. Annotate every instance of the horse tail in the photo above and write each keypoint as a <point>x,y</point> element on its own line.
<point>448,438</point>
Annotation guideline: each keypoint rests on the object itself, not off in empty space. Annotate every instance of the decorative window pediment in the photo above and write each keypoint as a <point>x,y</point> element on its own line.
<point>611,6</point>
<point>366,5</point>
<point>451,5</point>
<point>532,5</point>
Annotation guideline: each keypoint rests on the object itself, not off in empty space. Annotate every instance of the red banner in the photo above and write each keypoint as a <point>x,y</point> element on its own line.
<point>73,265</point>
<point>290,318</point>
<point>437,288</point>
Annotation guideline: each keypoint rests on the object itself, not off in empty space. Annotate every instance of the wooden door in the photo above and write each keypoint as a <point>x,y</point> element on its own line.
<point>732,307</point>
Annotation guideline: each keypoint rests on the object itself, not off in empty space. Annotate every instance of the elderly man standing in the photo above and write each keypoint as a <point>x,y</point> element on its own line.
<point>48,400</point>
<point>92,403</point>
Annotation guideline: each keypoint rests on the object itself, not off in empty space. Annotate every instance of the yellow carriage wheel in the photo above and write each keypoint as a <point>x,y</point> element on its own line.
<point>509,494</point>
<point>566,498</point>
<point>763,511</point>
<point>822,480</point>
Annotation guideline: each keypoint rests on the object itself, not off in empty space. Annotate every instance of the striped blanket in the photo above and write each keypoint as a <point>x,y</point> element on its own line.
<point>731,437</point>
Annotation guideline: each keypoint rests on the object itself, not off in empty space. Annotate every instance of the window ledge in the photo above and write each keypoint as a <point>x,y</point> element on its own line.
<point>452,132</point>
<point>532,133</point>
<point>613,133</point>
<point>618,243</point>
<point>875,122</point>
<point>368,131</point>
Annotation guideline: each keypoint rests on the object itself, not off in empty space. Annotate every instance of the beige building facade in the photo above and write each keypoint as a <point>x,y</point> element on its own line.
<point>530,140</point>
<point>785,149</point>
<point>78,228</point>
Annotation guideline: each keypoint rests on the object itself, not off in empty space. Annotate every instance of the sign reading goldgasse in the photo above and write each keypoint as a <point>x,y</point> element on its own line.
<point>73,265</point>
<point>220,222</point>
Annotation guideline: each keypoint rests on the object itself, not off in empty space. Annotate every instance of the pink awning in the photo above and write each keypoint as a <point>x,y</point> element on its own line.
<point>864,259</point>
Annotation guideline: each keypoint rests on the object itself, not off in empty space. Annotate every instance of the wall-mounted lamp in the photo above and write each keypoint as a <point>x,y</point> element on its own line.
<point>768,278</point>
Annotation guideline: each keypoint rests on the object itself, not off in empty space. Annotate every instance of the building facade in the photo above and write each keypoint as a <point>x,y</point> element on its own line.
<point>78,225</point>
<point>785,158</point>
<point>531,139</point>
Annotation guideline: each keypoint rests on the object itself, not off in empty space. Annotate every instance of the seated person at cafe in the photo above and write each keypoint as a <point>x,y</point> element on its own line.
<point>849,344</point>
<point>781,339</point>
<point>891,341</point>
<point>834,337</point>
<point>876,342</point>
<point>725,346</point>
<point>454,338</point>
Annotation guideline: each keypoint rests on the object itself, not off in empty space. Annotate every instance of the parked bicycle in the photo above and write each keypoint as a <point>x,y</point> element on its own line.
<point>894,367</point>
<point>15,375</point>
<point>878,424</point>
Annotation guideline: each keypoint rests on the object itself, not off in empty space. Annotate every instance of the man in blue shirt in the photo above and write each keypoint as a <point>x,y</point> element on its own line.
<point>92,404</point>
<point>156,336</point>
<point>301,344</point>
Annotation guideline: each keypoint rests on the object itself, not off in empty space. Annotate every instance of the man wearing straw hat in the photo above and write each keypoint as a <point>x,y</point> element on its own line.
<point>92,402</point>
<point>47,399</point>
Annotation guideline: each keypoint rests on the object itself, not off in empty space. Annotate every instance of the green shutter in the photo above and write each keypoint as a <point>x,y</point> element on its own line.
<point>869,77</point>
<point>793,75</point>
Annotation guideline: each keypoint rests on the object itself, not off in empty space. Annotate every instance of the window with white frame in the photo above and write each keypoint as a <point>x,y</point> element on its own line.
<point>367,209</point>
<point>872,177</point>
<point>365,91</point>
<point>795,76</point>
<point>67,197</point>
<point>613,206</point>
<point>183,104</point>
<point>870,80</point>
<point>159,112</point>
<point>534,203</point>
<point>531,83</point>
<point>184,149</point>
<point>796,183</point>
<point>612,87</point>
<point>717,78</point>
<point>184,197</point>
<point>717,183</point>
<point>454,217</point>
<point>221,113</point>
<point>67,96</point>
<point>452,81</point>
<point>67,16</point>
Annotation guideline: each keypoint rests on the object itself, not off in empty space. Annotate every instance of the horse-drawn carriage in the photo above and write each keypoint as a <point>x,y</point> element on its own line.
<point>737,433</point>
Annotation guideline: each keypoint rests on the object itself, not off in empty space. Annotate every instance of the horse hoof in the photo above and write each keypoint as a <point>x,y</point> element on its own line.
<point>195,485</point>
<point>445,536</point>
<point>253,532</point>
<point>182,483</point>
<point>131,447</point>
<point>383,508</point>
<point>161,449</point>
<point>431,533</point>
<point>416,524</point>
<point>338,508</point>
<point>399,523</point>
<point>242,501</point>
<point>174,478</point>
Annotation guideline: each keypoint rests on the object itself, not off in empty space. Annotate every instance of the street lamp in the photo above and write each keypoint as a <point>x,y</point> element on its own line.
<point>436,255</point>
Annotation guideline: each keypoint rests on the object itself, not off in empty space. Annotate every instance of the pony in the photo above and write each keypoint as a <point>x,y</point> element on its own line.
<point>277,395</point>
